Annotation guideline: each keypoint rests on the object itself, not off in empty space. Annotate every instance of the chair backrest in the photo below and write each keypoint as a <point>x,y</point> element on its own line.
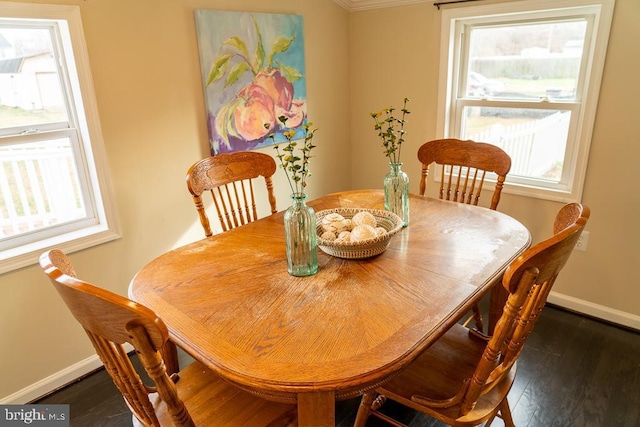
<point>528,280</point>
<point>111,320</point>
<point>229,179</point>
<point>464,166</point>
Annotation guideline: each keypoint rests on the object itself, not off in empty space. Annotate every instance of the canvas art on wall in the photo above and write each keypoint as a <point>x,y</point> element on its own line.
<point>253,73</point>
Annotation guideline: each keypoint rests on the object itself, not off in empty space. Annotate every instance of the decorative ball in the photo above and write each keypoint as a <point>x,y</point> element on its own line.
<point>380,231</point>
<point>338,226</point>
<point>328,235</point>
<point>345,236</point>
<point>364,218</point>
<point>362,232</point>
<point>335,223</point>
<point>331,218</point>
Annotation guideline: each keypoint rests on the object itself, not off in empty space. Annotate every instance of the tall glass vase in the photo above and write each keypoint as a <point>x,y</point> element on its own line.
<point>396,192</point>
<point>300,235</point>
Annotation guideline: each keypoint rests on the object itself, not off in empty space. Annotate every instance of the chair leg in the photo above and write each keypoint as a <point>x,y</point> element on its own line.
<point>490,421</point>
<point>477,316</point>
<point>505,413</point>
<point>364,410</point>
<point>170,357</point>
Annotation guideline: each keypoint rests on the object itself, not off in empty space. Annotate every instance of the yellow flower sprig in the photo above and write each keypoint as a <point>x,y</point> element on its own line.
<point>391,130</point>
<point>296,165</point>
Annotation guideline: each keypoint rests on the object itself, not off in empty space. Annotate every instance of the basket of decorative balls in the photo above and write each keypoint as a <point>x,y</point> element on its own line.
<point>355,233</point>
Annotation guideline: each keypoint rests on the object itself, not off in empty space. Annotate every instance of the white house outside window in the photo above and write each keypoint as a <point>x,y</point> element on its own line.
<point>54,189</point>
<point>525,76</point>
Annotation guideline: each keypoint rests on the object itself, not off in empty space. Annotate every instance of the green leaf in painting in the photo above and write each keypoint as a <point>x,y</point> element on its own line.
<point>258,58</point>
<point>218,68</point>
<point>279,46</point>
<point>290,73</point>
<point>238,44</point>
<point>236,72</point>
<point>224,121</point>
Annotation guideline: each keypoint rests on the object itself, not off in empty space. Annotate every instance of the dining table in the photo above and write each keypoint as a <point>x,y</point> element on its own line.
<point>230,303</point>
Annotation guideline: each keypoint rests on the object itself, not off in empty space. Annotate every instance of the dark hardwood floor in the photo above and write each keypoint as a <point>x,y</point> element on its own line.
<point>574,372</point>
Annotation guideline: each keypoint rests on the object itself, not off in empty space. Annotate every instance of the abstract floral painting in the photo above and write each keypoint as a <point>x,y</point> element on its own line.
<point>253,73</point>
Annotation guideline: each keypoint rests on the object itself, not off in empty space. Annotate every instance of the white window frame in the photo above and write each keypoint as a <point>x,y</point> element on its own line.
<point>101,223</point>
<point>451,90</point>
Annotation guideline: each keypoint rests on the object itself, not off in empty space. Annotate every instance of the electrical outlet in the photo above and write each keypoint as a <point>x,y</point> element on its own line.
<point>582,242</point>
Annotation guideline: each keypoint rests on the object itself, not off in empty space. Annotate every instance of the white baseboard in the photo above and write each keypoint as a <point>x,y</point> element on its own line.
<point>52,382</point>
<point>57,380</point>
<point>600,311</point>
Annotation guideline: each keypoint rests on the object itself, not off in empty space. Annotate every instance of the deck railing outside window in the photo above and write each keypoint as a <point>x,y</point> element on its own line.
<point>535,148</point>
<point>39,187</point>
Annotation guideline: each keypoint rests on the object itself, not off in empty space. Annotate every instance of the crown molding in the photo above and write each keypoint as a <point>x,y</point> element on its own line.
<point>356,5</point>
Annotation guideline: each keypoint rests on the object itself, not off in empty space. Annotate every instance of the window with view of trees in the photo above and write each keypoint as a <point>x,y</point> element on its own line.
<point>53,188</point>
<point>525,76</point>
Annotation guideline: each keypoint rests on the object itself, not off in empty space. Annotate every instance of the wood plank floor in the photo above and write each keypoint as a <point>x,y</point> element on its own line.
<point>574,372</point>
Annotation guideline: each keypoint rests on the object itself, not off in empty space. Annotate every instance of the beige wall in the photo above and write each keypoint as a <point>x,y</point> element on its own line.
<point>395,54</point>
<point>146,72</point>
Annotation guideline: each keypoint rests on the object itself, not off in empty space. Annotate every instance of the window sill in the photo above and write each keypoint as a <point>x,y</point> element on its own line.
<point>29,254</point>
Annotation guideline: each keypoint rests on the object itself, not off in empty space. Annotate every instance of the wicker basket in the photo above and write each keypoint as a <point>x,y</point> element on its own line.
<point>365,248</point>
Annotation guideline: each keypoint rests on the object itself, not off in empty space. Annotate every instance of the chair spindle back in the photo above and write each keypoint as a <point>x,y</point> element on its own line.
<point>229,179</point>
<point>528,280</point>
<point>464,167</point>
<point>110,321</point>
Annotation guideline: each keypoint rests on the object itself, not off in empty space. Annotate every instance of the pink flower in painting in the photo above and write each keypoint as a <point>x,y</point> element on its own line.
<point>253,112</point>
<point>280,90</point>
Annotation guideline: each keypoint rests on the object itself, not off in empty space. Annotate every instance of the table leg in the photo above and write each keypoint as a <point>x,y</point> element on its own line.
<point>317,409</point>
<point>497,301</point>
<point>170,356</point>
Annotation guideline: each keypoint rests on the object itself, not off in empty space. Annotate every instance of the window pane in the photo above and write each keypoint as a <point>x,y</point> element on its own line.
<point>39,187</point>
<point>525,61</point>
<point>30,90</point>
<point>535,139</point>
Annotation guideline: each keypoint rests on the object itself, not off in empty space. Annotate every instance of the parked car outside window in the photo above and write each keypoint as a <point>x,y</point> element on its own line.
<point>479,85</point>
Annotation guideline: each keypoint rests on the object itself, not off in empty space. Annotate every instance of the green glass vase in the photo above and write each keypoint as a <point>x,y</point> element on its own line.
<point>300,236</point>
<point>396,192</point>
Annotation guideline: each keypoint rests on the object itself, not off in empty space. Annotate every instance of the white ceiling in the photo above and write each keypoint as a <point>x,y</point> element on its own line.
<point>353,5</point>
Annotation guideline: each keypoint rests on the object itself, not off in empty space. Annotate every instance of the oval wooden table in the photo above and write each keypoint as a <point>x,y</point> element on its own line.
<point>230,303</point>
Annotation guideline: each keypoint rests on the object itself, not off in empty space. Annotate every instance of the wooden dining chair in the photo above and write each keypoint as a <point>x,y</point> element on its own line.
<point>463,379</point>
<point>464,165</point>
<point>464,168</point>
<point>230,180</point>
<point>195,396</point>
